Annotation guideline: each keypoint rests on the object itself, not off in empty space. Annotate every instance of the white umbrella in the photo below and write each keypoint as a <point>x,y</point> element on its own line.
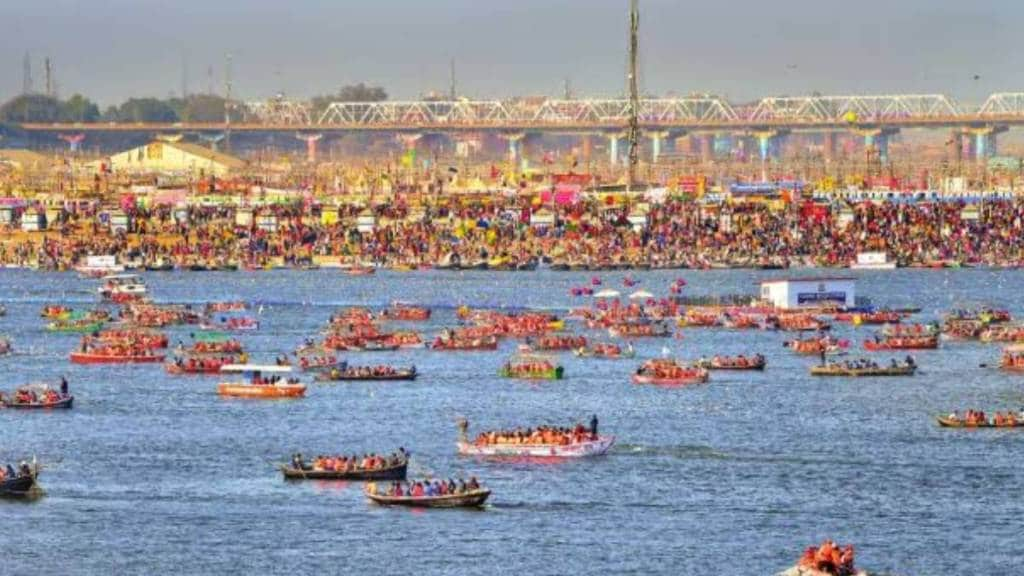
<point>641,295</point>
<point>607,293</point>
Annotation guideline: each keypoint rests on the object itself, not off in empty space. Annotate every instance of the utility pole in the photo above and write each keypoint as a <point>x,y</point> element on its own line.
<point>452,91</point>
<point>26,74</point>
<point>567,89</point>
<point>48,71</point>
<point>634,94</point>
<point>227,104</point>
<point>184,75</point>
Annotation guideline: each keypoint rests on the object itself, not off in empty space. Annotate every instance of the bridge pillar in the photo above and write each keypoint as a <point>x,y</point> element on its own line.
<point>513,138</point>
<point>613,148</point>
<point>587,147</point>
<point>656,139</point>
<point>985,141</point>
<point>311,144</point>
<point>877,139</point>
<point>828,146</point>
<point>707,147</point>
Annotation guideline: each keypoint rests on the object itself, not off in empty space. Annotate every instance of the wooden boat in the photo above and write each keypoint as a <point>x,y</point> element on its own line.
<point>903,343</point>
<point>352,375</point>
<point>669,373</point>
<point>947,422</point>
<point>730,363</point>
<point>839,370</point>
<point>396,472</point>
<point>465,344</point>
<point>22,486</point>
<point>360,271</point>
<point>63,401</point>
<point>74,326</point>
<point>558,342</point>
<point>473,499</point>
<point>5,346</point>
<point>406,313</point>
<point>521,370</point>
<point>95,357</point>
<point>615,353</point>
<point>256,387</point>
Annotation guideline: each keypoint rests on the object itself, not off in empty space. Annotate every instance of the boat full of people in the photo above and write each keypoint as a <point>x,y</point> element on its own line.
<point>1012,359</point>
<point>346,373</point>
<point>116,285</point>
<point>93,353</point>
<point>232,324</point>
<point>828,559</point>
<point>864,367</point>
<point>464,343</point>
<point>406,313</point>
<point>39,397</point>
<point>367,468</point>
<point>741,362</point>
<point>532,367</point>
<point>901,343</point>
<point>978,419</point>
<point>555,342</point>
<point>260,381</point>
<point>429,493</point>
<point>20,483</point>
<point>606,350</point>
<point>576,441</point>
<point>668,372</point>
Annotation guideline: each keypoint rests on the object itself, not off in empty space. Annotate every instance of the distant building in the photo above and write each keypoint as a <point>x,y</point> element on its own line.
<point>159,156</point>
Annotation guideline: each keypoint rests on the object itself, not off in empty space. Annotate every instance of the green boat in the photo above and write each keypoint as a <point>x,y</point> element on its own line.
<point>532,368</point>
<point>210,336</point>
<point>74,326</point>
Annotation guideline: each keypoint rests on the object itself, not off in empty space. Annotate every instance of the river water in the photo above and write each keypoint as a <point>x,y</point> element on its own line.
<point>151,474</point>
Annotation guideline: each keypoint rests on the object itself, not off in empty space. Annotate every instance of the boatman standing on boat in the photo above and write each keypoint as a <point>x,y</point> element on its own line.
<point>593,426</point>
<point>63,386</point>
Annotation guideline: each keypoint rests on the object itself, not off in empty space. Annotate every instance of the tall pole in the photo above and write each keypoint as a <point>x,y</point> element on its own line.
<point>634,94</point>
<point>227,105</point>
<point>452,90</point>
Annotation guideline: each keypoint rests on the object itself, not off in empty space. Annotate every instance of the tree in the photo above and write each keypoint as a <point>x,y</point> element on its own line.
<point>78,108</point>
<point>31,108</point>
<point>143,110</point>
<point>351,93</point>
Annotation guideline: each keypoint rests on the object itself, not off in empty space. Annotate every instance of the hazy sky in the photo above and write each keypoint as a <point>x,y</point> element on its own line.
<point>112,49</point>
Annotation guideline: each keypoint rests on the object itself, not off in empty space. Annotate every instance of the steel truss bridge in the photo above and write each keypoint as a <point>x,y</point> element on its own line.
<point>690,114</point>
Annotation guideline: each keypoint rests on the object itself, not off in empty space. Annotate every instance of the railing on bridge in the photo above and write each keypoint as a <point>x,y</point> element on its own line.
<point>583,113</point>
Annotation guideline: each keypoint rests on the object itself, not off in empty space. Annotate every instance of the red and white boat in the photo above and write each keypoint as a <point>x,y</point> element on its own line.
<point>582,449</point>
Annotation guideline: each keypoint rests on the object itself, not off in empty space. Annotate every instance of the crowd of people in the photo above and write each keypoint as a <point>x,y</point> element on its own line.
<point>475,230</point>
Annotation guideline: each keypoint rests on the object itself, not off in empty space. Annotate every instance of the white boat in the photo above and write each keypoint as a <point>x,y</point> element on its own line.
<point>116,284</point>
<point>873,261</point>
<point>99,266</point>
<point>583,449</point>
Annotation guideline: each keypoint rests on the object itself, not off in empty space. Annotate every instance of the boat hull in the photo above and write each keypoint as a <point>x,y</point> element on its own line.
<point>20,487</point>
<point>86,358</point>
<point>578,450</point>
<point>262,391</point>
<point>62,404</point>
<point>391,473</point>
<point>474,499</point>
<point>948,423</point>
<point>655,381</point>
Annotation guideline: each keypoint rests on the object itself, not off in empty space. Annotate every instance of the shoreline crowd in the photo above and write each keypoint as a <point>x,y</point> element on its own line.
<point>503,233</point>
